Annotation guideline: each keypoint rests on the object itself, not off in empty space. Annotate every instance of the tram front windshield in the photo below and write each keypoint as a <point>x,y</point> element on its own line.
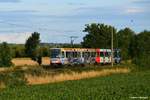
<point>55,53</point>
<point>117,53</point>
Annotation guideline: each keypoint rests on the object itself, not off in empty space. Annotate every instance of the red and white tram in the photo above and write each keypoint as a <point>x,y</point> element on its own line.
<point>64,56</point>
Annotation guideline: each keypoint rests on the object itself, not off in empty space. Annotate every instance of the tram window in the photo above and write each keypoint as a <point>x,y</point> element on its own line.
<point>101,54</point>
<point>83,54</point>
<point>86,54</point>
<point>63,55</point>
<point>115,54</point>
<point>106,54</point>
<point>55,53</point>
<point>89,54</point>
<point>93,54</point>
<point>74,54</point>
<point>78,54</point>
<point>109,53</point>
<point>69,54</point>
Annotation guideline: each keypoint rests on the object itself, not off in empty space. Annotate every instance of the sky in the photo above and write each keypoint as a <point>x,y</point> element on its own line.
<point>57,20</point>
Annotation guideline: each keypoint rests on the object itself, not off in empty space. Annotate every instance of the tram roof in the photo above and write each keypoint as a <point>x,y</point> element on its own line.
<point>82,49</point>
<point>78,49</point>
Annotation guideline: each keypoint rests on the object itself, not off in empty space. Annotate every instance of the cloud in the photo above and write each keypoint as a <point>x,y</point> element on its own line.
<point>53,26</point>
<point>9,1</point>
<point>141,1</point>
<point>76,4</point>
<point>110,12</point>
<point>97,12</point>
<point>21,11</point>
<point>133,10</point>
<point>18,12</point>
<point>15,37</point>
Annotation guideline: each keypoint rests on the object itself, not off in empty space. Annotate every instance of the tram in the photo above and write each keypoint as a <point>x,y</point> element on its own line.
<point>71,56</point>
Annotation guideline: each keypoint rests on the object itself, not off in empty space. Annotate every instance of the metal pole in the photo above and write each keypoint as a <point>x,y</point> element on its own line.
<point>73,39</point>
<point>112,47</point>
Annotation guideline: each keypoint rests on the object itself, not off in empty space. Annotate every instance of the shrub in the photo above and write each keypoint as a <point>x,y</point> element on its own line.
<point>18,51</point>
<point>5,55</point>
<point>142,61</point>
<point>142,49</point>
<point>13,79</point>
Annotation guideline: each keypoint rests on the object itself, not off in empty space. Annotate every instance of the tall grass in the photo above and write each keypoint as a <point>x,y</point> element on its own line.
<point>2,85</point>
<point>21,75</point>
<point>113,87</point>
<point>72,76</point>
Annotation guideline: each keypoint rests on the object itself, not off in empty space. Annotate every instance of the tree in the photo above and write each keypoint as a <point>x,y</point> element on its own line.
<point>45,51</point>
<point>5,55</point>
<point>143,40</point>
<point>99,36</point>
<point>32,46</point>
<point>142,57</point>
<point>126,38</point>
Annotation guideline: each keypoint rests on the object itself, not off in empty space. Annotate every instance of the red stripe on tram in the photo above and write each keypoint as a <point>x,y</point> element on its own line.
<point>98,55</point>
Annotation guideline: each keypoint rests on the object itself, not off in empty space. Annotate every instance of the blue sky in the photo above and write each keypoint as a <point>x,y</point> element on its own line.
<point>57,20</point>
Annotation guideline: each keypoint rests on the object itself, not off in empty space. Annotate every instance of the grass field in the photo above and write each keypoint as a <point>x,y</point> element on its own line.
<point>72,75</point>
<point>114,87</point>
<point>121,82</point>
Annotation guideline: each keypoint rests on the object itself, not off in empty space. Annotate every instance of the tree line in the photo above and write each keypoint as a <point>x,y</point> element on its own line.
<point>134,46</point>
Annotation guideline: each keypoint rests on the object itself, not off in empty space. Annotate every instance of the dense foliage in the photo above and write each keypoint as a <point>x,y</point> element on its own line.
<point>5,55</point>
<point>18,50</point>
<point>115,87</point>
<point>124,37</point>
<point>32,47</point>
<point>45,51</point>
<point>142,49</point>
<point>133,46</point>
<point>99,36</point>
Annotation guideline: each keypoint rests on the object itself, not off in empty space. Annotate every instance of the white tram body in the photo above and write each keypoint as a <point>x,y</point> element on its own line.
<point>63,56</point>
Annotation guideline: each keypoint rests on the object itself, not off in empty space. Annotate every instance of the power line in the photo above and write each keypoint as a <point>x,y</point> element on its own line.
<point>112,50</point>
<point>73,39</point>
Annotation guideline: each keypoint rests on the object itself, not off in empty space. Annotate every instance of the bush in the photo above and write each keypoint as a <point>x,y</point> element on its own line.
<point>18,51</point>
<point>142,49</point>
<point>5,55</point>
<point>142,61</point>
<point>45,52</point>
<point>13,79</point>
